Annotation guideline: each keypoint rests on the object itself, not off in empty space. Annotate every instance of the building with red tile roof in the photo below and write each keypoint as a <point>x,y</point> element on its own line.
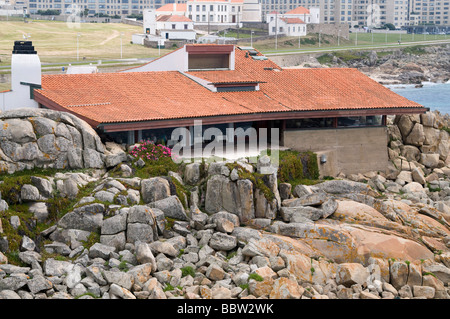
<point>225,86</point>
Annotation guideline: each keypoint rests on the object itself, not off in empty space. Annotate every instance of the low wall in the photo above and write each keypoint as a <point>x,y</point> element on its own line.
<point>330,29</point>
<point>350,150</point>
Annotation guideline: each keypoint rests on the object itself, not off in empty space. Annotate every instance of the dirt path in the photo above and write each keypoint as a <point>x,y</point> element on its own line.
<point>113,36</point>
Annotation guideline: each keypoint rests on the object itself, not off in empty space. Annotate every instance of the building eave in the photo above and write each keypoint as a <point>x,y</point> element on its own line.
<point>235,118</point>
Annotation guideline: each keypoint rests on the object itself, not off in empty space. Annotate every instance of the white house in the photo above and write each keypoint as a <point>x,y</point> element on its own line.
<point>292,23</point>
<point>175,27</point>
<point>287,26</point>
<point>169,27</point>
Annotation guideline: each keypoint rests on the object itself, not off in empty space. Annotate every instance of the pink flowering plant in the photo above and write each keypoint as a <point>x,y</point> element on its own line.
<point>157,158</point>
<point>149,151</point>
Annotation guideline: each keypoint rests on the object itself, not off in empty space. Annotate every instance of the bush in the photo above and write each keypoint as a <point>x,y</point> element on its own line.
<point>298,167</point>
<point>157,158</point>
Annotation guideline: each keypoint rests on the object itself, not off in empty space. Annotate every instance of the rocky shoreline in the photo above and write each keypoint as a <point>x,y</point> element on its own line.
<point>403,65</point>
<point>225,231</point>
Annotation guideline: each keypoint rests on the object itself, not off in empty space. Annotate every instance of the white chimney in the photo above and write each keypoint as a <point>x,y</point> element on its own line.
<point>25,76</point>
<point>149,21</point>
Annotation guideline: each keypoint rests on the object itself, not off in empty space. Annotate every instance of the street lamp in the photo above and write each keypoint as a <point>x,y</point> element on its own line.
<point>320,36</point>
<point>78,54</point>
<point>339,37</point>
<point>121,50</point>
<point>251,38</point>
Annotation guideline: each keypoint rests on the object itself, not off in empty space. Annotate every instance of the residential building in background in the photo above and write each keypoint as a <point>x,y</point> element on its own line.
<point>293,22</point>
<point>375,13</point>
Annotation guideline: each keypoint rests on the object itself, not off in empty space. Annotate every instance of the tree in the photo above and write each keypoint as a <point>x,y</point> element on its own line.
<point>389,26</point>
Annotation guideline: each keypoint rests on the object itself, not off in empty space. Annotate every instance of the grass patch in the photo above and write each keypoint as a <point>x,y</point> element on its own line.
<point>255,276</point>
<point>188,270</point>
<point>415,50</point>
<point>325,58</point>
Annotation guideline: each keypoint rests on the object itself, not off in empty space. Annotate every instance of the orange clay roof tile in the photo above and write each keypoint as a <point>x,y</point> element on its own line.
<point>299,10</point>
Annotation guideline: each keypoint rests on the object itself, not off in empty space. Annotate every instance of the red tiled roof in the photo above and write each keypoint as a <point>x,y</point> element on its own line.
<point>180,7</point>
<point>173,18</point>
<point>143,96</point>
<point>299,10</point>
<point>293,20</point>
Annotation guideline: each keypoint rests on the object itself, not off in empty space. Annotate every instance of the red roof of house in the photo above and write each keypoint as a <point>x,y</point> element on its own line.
<point>293,20</point>
<point>178,7</point>
<point>299,10</point>
<point>173,18</point>
<point>146,96</point>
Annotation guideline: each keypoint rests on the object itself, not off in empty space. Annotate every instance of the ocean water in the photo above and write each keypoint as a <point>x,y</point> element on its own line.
<point>435,96</point>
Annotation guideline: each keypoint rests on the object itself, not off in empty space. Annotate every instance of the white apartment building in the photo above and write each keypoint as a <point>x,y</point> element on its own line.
<point>214,11</point>
<point>204,12</point>
<point>107,7</point>
<point>430,12</point>
<point>370,12</point>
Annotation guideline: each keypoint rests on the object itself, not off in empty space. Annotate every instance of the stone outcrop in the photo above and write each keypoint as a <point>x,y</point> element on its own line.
<point>43,138</point>
<point>410,65</point>
<point>231,230</point>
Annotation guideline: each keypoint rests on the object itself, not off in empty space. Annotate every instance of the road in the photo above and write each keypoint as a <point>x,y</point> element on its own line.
<point>360,47</point>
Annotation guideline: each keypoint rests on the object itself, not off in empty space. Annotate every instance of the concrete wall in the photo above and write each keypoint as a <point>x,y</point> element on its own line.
<point>350,150</point>
<point>330,29</point>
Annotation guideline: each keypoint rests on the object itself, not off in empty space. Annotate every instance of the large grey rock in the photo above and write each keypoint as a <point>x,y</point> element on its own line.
<point>246,203</point>
<point>299,213</point>
<point>192,173</point>
<point>69,188</point>
<point>92,158</point>
<point>213,198</point>
<point>44,186</point>
<point>115,159</point>
<point>416,136</point>
<point>88,218</point>
<point>221,241</point>
<point>102,251</point>
<point>265,208</point>
<point>43,125</point>
<point>429,160</point>
<point>154,189</point>
<point>171,206</point>
<point>18,130</point>
<point>29,193</point>
<point>117,240</point>
<point>119,278</point>
<point>104,196</point>
<point>75,158</point>
<point>144,255</point>
<point>39,283</point>
<point>115,224</point>
<point>344,187</point>
<point>47,144</point>
<point>230,196</point>
<point>140,232</point>
<point>53,267</point>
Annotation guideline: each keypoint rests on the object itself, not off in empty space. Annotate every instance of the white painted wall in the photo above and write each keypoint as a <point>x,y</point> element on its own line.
<point>178,34</point>
<point>24,68</point>
<point>175,61</point>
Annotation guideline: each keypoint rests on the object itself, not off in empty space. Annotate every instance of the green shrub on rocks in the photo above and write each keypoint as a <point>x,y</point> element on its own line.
<point>297,167</point>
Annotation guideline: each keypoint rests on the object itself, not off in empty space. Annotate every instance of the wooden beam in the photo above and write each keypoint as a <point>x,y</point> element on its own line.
<point>288,115</point>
